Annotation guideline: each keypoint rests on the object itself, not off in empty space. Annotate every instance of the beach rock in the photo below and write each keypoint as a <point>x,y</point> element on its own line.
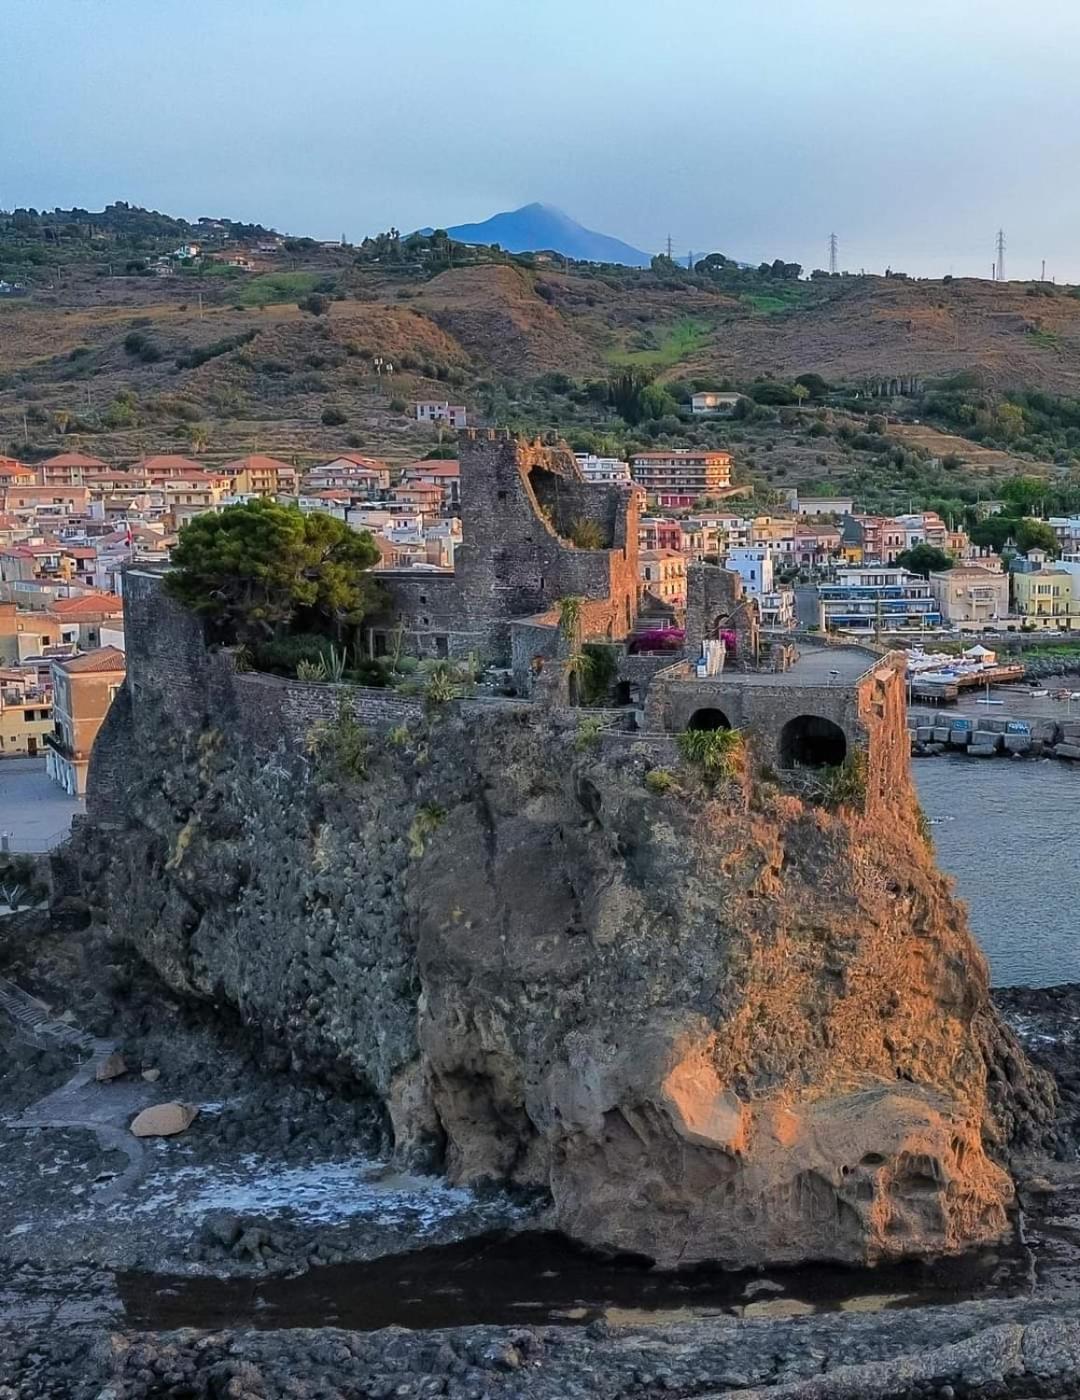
<point>151,1075</point>
<point>164,1120</point>
<point>728,1024</point>
<point>112,1067</point>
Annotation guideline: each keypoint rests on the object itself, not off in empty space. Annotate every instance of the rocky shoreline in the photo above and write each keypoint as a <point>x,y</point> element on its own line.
<point>68,1266</point>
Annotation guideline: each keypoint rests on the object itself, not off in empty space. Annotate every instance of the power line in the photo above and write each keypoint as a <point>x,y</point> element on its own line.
<point>834,245</point>
<point>1000,264</point>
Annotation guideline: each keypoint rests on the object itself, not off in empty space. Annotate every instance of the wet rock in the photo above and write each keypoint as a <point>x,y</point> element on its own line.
<point>151,1075</point>
<point>164,1120</point>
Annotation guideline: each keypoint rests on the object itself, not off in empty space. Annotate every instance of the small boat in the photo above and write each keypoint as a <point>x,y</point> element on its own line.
<point>985,700</point>
<point>1038,694</point>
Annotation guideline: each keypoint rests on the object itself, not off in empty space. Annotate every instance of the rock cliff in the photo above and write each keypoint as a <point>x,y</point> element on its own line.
<point>714,1023</point>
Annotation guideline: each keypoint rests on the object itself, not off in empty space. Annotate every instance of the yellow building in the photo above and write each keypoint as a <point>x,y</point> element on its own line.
<point>1045,599</point>
<point>25,715</point>
<point>663,572</point>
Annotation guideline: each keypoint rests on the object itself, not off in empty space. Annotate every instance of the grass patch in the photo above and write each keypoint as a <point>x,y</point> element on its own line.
<point>670,345</point>
<point>273,287</point>
<point>1046,340</point>
<point>783,297</point>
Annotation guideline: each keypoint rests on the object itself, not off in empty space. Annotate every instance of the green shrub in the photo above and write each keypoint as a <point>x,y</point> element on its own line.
<point>426,822</point>
<point>340,747</point>
<point>599,672</point>
<point>659,780</point>
<point>282,655</point>
<point>586,534</point>
<point>398,405</point>
<point>588,734</point>
<point>715,751</point>
<point>333,417</point>
<point>844,784</point>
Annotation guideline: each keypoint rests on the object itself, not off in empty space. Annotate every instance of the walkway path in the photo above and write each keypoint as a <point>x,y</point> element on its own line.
<point>104,1109</point>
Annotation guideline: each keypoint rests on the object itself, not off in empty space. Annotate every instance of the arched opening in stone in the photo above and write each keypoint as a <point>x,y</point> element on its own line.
<point>623,693</point>
<point>708,719</point>
<point>573,689</point>
<point>808,741</point>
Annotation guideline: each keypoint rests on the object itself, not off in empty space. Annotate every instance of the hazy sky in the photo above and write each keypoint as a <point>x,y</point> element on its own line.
<point>754,127</point>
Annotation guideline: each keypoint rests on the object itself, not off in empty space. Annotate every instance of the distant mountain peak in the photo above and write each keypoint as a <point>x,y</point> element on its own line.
<point>538,227</point>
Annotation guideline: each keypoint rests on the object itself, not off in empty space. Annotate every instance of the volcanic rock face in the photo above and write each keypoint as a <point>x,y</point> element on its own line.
<point>715,1025</point>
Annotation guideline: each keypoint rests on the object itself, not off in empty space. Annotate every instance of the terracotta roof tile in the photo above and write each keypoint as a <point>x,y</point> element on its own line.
<point>104,659</point>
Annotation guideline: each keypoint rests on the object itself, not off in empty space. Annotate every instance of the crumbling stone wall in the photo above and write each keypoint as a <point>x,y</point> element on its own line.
<point>716,602</point>
<point>520,503</point>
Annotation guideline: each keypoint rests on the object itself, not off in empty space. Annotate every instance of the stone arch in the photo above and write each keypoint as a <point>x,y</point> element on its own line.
<point>810,741</point>
<point>708,718</point>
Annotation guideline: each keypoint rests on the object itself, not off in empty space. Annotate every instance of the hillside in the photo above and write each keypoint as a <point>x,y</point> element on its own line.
<point>222,360</point>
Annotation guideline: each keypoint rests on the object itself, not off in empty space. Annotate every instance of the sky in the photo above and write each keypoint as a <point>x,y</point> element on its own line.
<point>750,127</point>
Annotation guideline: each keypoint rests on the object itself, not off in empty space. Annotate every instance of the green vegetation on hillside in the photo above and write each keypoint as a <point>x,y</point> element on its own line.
<point>663,347</point>
<point>272,288</point>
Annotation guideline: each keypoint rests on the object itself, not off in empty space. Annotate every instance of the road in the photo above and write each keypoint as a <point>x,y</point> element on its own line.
<point>35,812</point>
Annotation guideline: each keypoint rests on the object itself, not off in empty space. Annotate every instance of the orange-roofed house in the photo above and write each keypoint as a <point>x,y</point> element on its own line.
<point>71,469</point>
<point>261,476</point>
<point>83,689</point>
<point>443,473</point>
<point>80,620</point>
<point>364,475</point>
<point>13,473</point>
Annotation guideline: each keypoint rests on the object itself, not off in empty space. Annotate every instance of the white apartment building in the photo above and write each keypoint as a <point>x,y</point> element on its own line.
<point>754,565</point>
<point>435,411</point>
<point>603,471</point>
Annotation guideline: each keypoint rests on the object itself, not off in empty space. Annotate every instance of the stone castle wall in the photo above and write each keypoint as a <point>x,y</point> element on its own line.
<point>521,502</point>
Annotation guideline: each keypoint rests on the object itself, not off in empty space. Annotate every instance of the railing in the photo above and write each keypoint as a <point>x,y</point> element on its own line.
<point>11,844</point>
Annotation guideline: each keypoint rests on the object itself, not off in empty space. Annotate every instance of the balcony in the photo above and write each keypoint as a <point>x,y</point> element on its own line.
<point>56,742</point>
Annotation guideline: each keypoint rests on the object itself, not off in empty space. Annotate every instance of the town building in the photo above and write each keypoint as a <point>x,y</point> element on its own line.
<point>441,472</point>
<point>603,471</point>
<point>71,469</point>
<point>258,475</point>
<point>434,411</point>
<point>682,472</point>
<point>816,546</point>
<point>659,532</point>
<point>663,574</point>
<point>878,598</point>
<point>1044,599</point>
<point>754,565</point>
<point>967,594</point>
<point>25,713</point>
<point>820,505</point>
<point>83,688</point>
<point>716,402</point>
<point>776,533</point>
<point>364,475</point>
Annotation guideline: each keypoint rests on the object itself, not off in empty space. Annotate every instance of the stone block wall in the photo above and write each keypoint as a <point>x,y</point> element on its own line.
<point>270,708</point>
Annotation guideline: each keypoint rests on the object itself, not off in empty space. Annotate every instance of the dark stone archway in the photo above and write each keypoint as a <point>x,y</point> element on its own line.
<point>809,741</point>
<point>708,719</point>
